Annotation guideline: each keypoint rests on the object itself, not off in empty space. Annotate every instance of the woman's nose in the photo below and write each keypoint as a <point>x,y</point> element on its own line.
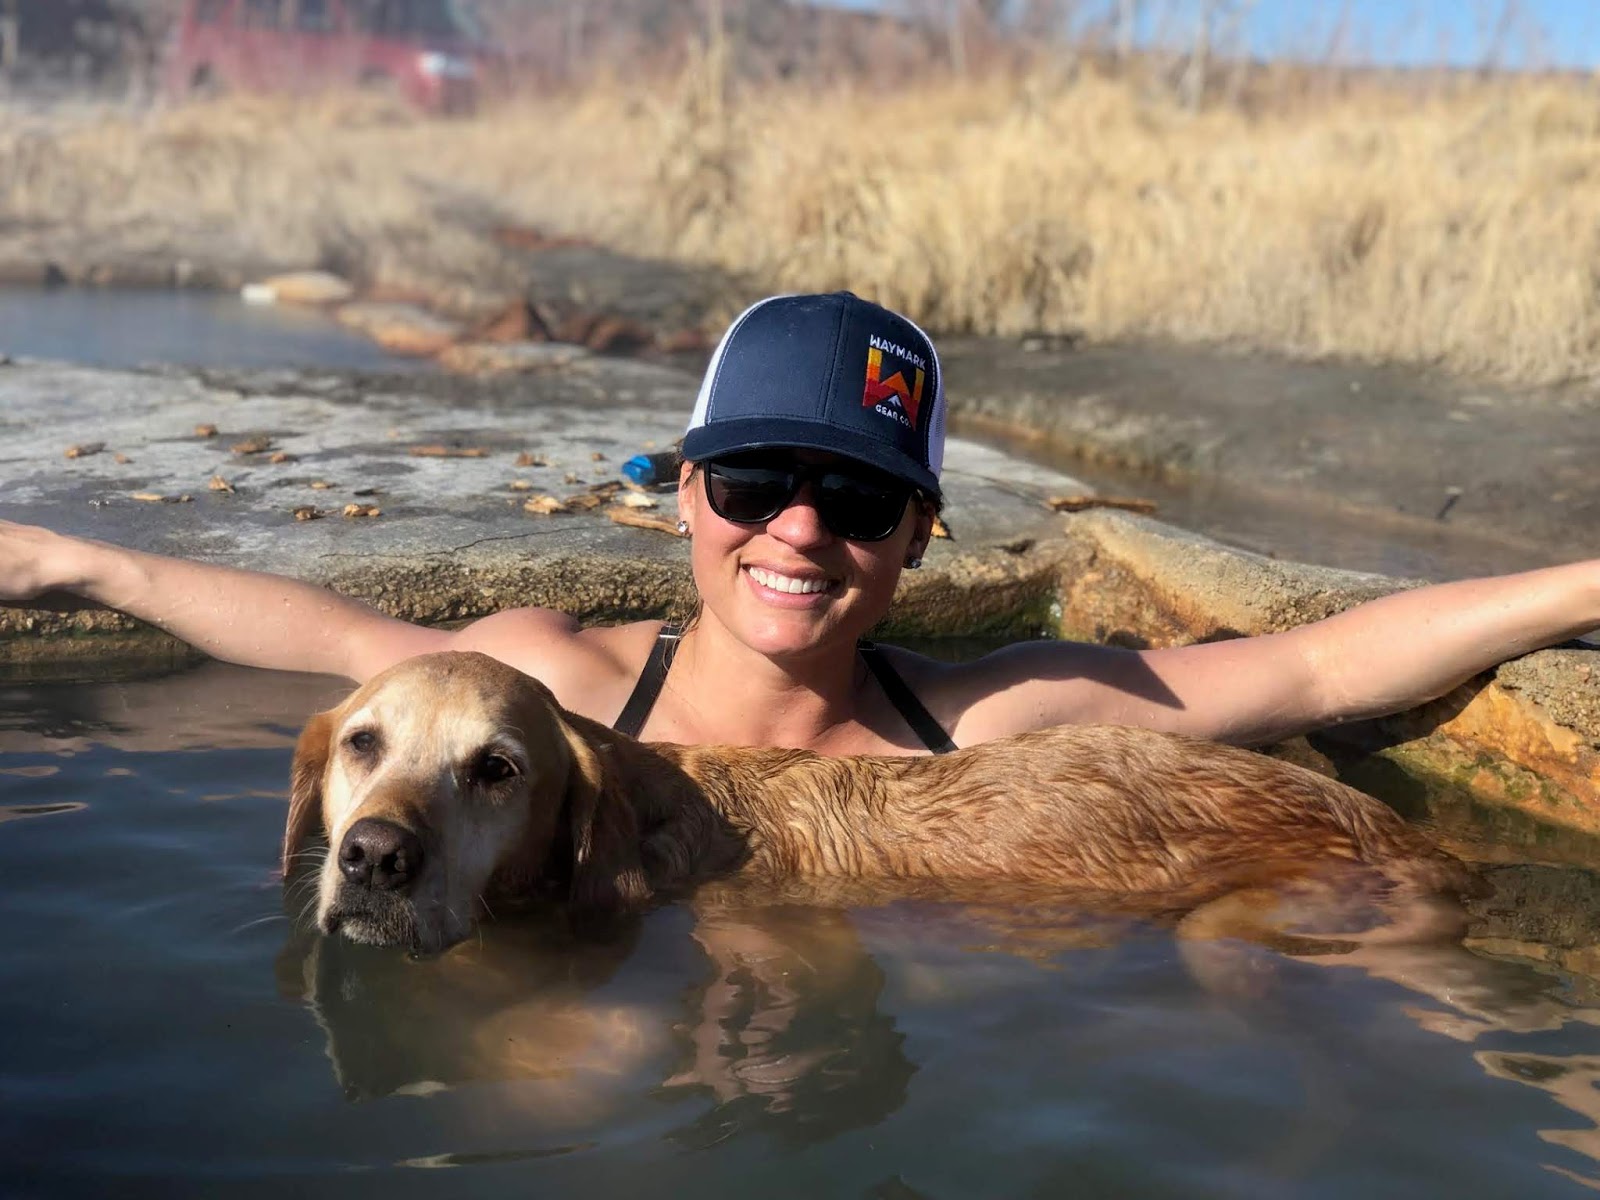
<point>799,524</point>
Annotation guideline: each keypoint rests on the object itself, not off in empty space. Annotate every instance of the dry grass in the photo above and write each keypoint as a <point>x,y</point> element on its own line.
<point>1459,229</point>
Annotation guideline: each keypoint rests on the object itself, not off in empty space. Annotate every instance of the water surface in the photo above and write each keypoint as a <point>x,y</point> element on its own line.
<point>164,1030</point>
<point>121,327</point>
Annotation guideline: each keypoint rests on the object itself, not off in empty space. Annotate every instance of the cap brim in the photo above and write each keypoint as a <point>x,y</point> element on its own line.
<point>760,433</point>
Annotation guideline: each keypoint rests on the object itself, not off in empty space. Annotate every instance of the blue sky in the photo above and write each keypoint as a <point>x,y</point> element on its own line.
<point>1541,33</point>
<point>1564,33</point>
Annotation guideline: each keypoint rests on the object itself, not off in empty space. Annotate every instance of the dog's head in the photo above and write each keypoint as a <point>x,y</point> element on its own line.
<point>448,781</point>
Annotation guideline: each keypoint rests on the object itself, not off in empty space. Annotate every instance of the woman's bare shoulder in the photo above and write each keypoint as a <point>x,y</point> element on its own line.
<point>589,668</point>
<point>1018,687</point>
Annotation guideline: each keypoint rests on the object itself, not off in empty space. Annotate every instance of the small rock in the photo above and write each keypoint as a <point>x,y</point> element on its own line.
<point>400,328</point>
<point>505,358</point>
<point>300,287</point>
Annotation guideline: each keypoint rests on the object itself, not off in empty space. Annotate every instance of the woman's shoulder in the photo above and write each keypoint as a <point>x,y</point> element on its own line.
<point>1005,690</point>
<point>590,668</point>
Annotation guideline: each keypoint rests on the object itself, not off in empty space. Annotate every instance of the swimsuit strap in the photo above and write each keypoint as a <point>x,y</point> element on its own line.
<point>905,700</point>
<point>637,709</point>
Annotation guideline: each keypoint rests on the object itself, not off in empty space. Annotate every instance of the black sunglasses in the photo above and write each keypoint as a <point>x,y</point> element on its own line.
<point>854,502</point>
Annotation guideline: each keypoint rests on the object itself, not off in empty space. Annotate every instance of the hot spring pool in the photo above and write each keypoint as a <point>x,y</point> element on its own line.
<point>166,1032</point>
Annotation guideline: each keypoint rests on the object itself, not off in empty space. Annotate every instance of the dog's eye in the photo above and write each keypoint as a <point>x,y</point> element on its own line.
<point>493,768</point>
<point>362,741</point>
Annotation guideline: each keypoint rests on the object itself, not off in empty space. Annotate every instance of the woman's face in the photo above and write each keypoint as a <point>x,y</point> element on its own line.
<point>789,585</point>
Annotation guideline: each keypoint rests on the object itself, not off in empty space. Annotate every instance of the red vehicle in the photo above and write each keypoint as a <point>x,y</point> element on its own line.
<point>427,51</point>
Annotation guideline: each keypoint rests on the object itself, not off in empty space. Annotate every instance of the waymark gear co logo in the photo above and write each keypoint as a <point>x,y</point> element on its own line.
<point>893,397</point>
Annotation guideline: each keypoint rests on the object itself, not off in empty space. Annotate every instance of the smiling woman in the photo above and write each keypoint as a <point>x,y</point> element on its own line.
<point>810,483</point>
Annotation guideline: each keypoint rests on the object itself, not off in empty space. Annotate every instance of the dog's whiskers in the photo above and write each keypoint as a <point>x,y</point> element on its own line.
<point>268,919</point>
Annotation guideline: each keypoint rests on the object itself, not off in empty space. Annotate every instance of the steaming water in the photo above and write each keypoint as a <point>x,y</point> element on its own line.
<point>165,1032</point>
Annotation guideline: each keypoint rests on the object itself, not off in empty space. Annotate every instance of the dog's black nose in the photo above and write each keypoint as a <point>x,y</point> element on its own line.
<point>380,854</point>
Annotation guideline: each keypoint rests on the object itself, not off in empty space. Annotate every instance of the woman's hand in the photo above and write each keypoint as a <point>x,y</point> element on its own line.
<point>35,570</point>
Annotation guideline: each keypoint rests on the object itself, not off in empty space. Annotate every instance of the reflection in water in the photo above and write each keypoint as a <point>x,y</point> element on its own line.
<point>787,1036</point>
<point>784,1036</point>
<point>516,1004</point>
<point>1571,1080</point>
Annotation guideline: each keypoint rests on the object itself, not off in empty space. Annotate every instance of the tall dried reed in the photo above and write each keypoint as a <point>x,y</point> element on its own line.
<point>1457,228</point>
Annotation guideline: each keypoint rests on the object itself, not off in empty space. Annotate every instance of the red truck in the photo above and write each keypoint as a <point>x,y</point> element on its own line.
<point>428,52</point>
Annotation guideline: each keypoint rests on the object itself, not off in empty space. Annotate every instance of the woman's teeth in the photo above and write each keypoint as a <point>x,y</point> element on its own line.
<point>783,583</point>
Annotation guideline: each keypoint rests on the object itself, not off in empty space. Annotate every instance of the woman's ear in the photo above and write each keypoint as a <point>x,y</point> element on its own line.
<point>305,787</point>
<point>688,494</point>
<point>607,873</point>
<point>921,530</point>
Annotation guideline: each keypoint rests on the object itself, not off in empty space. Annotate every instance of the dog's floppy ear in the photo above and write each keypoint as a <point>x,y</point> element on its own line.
<point>607,873</point>
<point>305,786</point>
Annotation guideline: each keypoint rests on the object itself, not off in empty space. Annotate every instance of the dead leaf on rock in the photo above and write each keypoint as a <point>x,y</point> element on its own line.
<point>1078,503</point>
<point>307,512</point>
<point>543,505</point>
<point>362,510</point>
<point>529,459</point>
<point>940,529</point>
<point>627,516</point>
<point>320,485</point>
<point>218,484</point>
<point>437,451</point>
<point>584,501</point>
<point>252,445</point>
<point>521,485</point>
<point>570,477</point>
<point>636,500</point>
<point>85,449</point>
<point>281,457</point>
<point>121,460</point>
<point>205,431</point>
<point>158,498</point>
<point>596,456</point>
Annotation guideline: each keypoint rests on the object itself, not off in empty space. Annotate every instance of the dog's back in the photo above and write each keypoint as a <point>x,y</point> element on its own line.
<point>1090,809</point>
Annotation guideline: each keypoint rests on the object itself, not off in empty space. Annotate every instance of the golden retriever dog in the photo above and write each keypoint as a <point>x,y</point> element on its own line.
<point>452,784</point>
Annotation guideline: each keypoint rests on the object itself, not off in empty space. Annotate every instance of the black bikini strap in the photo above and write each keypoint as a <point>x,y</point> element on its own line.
<point>905,701</point>
<point>637,710</point>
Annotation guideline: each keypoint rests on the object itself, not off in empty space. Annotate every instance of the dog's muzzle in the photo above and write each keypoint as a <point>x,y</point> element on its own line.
<point>380,855</point>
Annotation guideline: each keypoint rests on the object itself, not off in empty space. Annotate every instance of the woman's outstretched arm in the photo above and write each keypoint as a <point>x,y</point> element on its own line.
<point>247,617</point>
<point>1380,657</point>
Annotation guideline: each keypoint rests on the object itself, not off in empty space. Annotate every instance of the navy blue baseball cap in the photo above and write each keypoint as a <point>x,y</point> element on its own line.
<point>829,372</point>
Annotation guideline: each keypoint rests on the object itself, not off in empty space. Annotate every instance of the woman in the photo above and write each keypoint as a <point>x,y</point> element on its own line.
<point>811,481</point>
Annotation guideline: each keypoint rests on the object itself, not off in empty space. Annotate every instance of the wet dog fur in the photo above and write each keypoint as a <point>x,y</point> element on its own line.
<point>451,785</point>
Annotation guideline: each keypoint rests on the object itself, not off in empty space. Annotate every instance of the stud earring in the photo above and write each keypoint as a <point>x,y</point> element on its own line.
<point>913,563</point>
<point>683,529</point>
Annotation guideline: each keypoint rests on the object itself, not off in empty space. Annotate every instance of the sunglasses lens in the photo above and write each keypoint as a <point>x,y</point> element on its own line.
<point>862,505</point>
<point>748,495</point>
<point>861,509</point>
